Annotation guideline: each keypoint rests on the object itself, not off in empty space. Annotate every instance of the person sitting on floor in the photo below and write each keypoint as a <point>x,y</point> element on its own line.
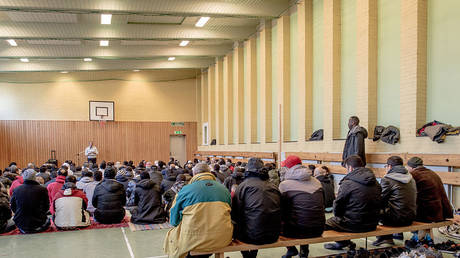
<point>147,198</point>
<point>256,208</point>
<point>124,177</point>
<point>17,182</point>
<point>30,204</point>
<point>273,175</point>
<point>109,198</point>
<point>88,189</point>
<point>432,202</point>
<point>168,180</point>
<point>328,187</point>
<point>357,206</point>
<point>6,221</point>
<point>56,186</point>
<point>44,174</point>
<point>86,178</point>
<point>69,206</point>
<point>302,205</point>
<point>202,206</point>
<point>169,195</point>
<point>235,178</point>
<point>399,194</point>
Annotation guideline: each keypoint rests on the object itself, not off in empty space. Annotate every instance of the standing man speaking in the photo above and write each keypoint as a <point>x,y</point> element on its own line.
<point>355,140</point>
<point>91,153</point>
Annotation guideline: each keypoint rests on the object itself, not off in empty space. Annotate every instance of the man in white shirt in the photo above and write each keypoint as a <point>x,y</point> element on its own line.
<point>91,153</point>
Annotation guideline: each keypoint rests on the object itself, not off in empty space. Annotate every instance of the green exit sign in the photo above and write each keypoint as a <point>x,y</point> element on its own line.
<point>177,132</point>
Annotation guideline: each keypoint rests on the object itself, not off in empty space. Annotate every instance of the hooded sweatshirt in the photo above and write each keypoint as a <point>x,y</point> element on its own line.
<point>302,204</point>
<point>83,182</point>
<point>19,181</point>
<point>54,187</point>
<point>399,197</point>
<point>357,205</point>
<point>69,207</point>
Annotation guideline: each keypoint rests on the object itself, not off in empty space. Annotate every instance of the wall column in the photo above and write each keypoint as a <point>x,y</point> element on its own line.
<point>332,31</point>
<point>413,65</point>
<point>219,84</point>
<point>305,30</point>
<point>366,106</point>
<point>239,92</point>
<point>250,89</point>
<point>228,99</point>
<point>212,103</point>
<point>204,103</point>
<point>266,82</point>
<point>284,76</point>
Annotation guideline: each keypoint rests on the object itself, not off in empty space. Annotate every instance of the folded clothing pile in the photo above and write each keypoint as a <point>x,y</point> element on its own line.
<point>437,131</point>
<point>388,134</point>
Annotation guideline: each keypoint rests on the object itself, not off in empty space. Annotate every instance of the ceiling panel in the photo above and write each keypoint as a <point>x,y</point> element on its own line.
<point>157,19</point>
<point>54,42</point>
<point>42,17</point>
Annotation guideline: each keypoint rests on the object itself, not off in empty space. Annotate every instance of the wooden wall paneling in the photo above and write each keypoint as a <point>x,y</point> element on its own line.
<point>32,141</point>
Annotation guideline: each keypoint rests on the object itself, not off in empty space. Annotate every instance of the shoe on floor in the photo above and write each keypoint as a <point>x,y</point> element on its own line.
<point>379,242</point>
<point>398,236</point>
<point>338,246</point>
<point>290,253</point>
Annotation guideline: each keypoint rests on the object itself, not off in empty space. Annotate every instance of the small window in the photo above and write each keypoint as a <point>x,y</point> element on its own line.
<point>205,134</point>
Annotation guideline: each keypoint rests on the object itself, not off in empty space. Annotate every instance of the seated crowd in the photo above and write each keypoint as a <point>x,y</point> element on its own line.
<point>212,202</point>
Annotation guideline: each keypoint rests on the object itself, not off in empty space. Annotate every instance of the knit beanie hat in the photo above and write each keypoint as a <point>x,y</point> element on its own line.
<point>254,165</point>
<point>29,174</point>
<point>415,162</point>
<point>292,161</point>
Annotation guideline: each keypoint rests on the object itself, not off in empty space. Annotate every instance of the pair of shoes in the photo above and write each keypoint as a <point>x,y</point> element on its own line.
<point>381,241</point>
<point>291,253</point>
<point>362,253</point>
<point>339,246</point>
<point>398,236</point>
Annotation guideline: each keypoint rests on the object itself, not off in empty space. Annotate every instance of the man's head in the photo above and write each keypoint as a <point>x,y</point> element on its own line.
<point>414,163</point>
<point>29,174</point>
<point>393,161</point>
<point>180,178</point>
<point>91,144</point>
<point>97,176</point>
<point>110,173</point>
<point>62,172</point>
<point>86,173</point>
<point>144,175</point>
<point>353,162</point>
<point>201,168</point>
<point>71,179</point>
<point>353,121</point>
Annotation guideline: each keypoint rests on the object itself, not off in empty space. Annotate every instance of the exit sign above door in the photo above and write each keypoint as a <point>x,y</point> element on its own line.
<point>177,132</point>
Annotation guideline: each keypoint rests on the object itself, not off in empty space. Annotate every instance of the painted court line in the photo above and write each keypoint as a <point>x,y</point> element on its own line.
<point>127,243</point>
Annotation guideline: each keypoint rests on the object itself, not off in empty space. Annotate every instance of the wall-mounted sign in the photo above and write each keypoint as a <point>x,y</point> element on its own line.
<point>178,132</point>
<point>177,123</point>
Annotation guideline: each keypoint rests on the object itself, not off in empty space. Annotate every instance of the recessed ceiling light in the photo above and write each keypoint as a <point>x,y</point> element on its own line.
<point>12,42</point>
<point>64,72</point>
<point>184,43</point>
<point>24,60</point>
<point>135,70</point>
<point>106,18</point>
<point>171,58</point>
<point>104,43</point>
<point>202,21</point>
<point>87,59</point>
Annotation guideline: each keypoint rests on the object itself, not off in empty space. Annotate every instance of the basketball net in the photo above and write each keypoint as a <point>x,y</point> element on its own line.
<point>101,121</point>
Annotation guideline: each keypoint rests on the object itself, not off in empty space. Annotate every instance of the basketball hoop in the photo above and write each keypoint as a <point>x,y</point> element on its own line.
<point>102,120</point>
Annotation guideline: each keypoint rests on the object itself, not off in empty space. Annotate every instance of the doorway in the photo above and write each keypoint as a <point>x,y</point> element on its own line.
<point>177,148</point>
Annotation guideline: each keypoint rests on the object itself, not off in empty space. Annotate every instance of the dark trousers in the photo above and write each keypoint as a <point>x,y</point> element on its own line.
<point>333,224</point>
<point>250,254</point>
<point>7,227</point>
<point>92,160</point>
<point>39,229</point>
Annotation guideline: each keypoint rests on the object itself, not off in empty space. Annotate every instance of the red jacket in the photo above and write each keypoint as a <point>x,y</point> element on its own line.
<point>19,181</point>
<point>75,193</point>
<point>54,187</point>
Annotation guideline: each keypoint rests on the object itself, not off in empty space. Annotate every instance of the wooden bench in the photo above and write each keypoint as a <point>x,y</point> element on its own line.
<point>443,160</point>
<point>328,236</point>
<point>236,156</point>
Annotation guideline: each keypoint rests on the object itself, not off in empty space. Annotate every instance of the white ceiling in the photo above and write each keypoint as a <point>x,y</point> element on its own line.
<point>57,34</point>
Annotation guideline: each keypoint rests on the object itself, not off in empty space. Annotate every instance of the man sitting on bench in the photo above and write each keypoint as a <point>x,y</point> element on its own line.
<point>357,206</point>
<point>399,195</point>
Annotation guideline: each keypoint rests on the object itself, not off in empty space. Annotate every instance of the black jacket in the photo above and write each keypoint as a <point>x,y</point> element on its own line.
<point>30,204</point>
<point>358,201</point>
<point>123,180</point>
<point>148,201</point>
<point>109,198</point>
<point>168,180</point>
<point>302,202</point>
<point>355,143</point>
<point>399,196</point>
<point>235,179</point>
<point>156,176</point>
<point>328,190</point>
<point>256,211</point>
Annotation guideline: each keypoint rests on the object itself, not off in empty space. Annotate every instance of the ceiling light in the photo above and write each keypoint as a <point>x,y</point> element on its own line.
<point>171,58</point>
<point>184,43</point>
<point>87,59</point>
<point>106,18</point>
<point>202,21</point>
<point>136,70</point>
<point>24,60</point>
<point>64,72</point>
<point>12,42</point>
<point>104,43</point>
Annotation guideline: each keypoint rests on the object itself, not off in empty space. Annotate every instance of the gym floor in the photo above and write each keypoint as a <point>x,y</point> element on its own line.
<point>121,243</point>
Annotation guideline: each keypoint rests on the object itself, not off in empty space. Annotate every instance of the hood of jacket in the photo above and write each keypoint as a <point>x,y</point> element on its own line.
<point>400,174</point>
<point>298,172</point>
<point>202,176</point>
<point>111,185</point>
<point>145,184</point>
<point>85,180</point>
<point>121,178</point>
<point>20,179</point>
<point>60,179</point>
<point>238,175</point>
<point>362,176</point>
<point>358,129</point>
<point>324,179</point>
